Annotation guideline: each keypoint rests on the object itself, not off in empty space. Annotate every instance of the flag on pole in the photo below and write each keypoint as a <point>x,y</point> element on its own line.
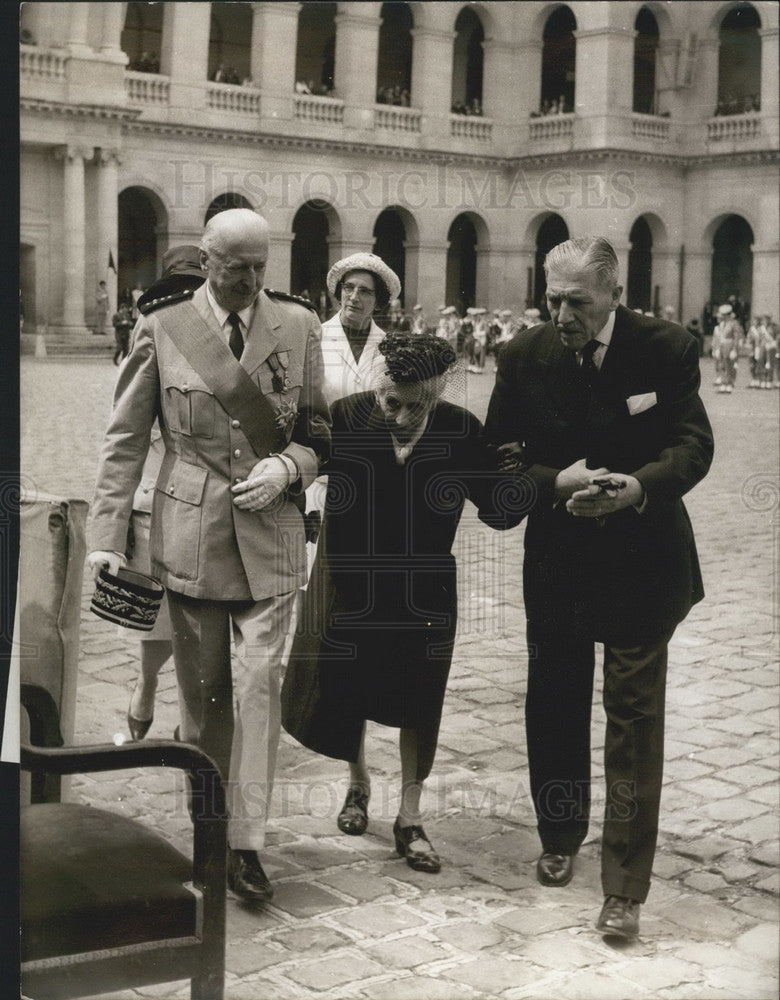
<point>111,265</point>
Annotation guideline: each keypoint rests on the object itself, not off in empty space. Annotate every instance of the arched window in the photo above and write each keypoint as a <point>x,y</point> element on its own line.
<point>468,60</point>
<point>394,63</point>
<point>142,36</point>
<point>315,53</point>
<point>230,42</point>
<point>462,264</point>
<point>228,200</point>
<point>732,265</point>
<point>551,232</point>
<point>639,282</point>
<point>558,62</point>
<point>309,255</point>
<point>739,62</point>
<point>645,47</point>
<point>389,239</point>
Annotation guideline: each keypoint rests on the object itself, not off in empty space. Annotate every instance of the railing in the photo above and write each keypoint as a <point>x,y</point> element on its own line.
<point>471,127</point>
<point>227,97</point>
<point>551,126</point>
<point>650,127</point>
<point>734,128</point>
<point>315,108</point>
<point>147,88</point>
<point>396,118</point>
<point>41,64</point>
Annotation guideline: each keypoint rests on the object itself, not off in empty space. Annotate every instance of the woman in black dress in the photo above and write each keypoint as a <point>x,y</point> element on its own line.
<point>376,637</point>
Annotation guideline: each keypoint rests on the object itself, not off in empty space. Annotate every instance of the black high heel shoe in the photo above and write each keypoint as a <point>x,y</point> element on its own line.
<point>421,861</point>
<point>353,818</point>
<point>138,727</point>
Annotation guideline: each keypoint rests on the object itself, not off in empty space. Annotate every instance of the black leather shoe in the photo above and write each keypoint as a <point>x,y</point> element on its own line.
<point>555,869</point>
<point>138,727</point>
<point>619,917</point>
<point>246,878</point>
<point>353,818</point>
<point>421,861</point>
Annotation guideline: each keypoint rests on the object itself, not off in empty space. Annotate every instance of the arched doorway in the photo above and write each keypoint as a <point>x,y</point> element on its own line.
<point>467,63</point>
<point>645,48</point>
<point>639,281</point>
<point>739,62</point>
<point>550,233</point>
<point>558,61</point>
<point>141,218</point>
<point>461,287</point>
<point>394,62</point>
<point>230,199</point>
<point>315,52</point>
<point>309,254</point>
<point>141,38</point>
<point>732,263</point>
<point>230,43</point>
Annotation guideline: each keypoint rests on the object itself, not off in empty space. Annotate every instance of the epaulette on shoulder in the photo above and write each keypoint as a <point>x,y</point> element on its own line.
<point>166,300</point>
<point>287,297</point>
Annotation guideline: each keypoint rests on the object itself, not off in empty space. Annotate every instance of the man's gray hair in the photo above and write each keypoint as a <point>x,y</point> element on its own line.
<point>587,253</point>
<point>233,222</point>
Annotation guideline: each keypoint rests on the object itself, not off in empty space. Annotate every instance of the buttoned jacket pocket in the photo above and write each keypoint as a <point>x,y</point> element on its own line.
<point>177,519</point>
<point>189,405</point>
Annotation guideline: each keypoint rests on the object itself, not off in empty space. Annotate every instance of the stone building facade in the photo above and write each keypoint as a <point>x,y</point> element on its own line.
<point>458,141</point>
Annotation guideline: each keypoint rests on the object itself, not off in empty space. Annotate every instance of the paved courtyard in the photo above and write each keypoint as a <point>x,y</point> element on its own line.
<point>351,920</point>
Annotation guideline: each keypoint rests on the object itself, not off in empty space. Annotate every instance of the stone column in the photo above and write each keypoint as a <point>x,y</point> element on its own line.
<point>704,86</point>
<point>74,237</point>
<point>357,52</point>
<point>510,87</point>
<point>113,22</point>
<point>279,261</point>
<point>604,84</point>
<point>432,278</point>
<point>108,219</point>
<point>766,282</point>
<point>666,275</point>
<point>274,38</point>
<point>696,281</point>
<point>432,79</point>
<point>769,82</point>
<point>184,56</point>
<point>77,29</point>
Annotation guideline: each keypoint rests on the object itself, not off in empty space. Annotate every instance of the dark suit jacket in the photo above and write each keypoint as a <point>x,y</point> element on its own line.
<point>636,575</point>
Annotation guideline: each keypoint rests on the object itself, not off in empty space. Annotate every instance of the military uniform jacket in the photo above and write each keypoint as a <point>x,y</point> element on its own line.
<point>201,544</point>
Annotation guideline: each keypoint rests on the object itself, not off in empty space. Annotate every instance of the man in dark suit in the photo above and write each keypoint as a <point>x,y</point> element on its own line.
<point>600,408</point>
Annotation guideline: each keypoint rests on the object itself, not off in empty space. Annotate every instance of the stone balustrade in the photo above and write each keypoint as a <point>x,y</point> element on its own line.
<point>394,118</point>
<point>228,97</point>
<point>41,64</point>
<point>650,127</point>
<point>471,127</point>
<point>147,88</point>
<point>320,109</point>
<point>551,127</point>
<point>734,128</point>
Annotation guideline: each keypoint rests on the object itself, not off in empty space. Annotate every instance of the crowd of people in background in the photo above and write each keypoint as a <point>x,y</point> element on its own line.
<point>393,95</point>
<point>473,107</point>
<point>730,105</point>
<point>559,106</point>
<point>317,89</point>
<point>147,62</point>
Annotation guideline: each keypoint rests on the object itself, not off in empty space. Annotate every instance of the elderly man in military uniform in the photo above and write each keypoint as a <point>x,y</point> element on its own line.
<point>235,374</point>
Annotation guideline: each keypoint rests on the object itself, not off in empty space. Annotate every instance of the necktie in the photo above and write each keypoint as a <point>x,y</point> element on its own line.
<point>236,341</point>
<point>588,367</point>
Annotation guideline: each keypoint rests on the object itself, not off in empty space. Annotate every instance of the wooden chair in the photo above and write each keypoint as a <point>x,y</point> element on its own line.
<point>107,903</point>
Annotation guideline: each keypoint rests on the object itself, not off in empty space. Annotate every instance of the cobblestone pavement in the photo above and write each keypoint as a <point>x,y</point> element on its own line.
<point>350,919</point>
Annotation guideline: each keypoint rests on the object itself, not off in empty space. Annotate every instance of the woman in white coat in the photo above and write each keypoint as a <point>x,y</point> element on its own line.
<point>363,284</point>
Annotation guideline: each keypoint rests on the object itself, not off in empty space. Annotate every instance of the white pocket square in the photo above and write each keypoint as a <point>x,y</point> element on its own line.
<point>641,402</point>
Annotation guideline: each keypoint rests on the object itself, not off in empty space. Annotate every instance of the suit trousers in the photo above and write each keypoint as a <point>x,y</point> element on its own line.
<point>244,744</point>
<point>558,718</point>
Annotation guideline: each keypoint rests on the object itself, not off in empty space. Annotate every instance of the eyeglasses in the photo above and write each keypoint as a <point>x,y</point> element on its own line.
<point>349,290</point>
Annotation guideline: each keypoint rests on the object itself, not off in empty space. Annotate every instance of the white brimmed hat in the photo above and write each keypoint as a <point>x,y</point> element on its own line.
<point>364,262</point>
<point>725,309</point>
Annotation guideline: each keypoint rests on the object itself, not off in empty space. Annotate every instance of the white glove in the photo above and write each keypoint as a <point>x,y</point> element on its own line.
<point>269,478</point>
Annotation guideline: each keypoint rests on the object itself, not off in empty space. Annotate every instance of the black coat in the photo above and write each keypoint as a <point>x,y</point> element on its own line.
<point>376,636</point>
<point>636,575</point>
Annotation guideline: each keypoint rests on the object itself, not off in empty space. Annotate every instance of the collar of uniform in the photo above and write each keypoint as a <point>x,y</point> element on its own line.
<point>222,314</point>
